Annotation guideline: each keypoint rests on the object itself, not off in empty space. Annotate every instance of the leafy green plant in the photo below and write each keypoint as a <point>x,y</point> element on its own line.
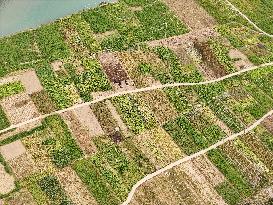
<point>11,89</point>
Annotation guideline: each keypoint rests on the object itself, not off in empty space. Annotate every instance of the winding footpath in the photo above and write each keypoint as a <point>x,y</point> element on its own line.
<point>155,87</point>
<point>245,17</point>
<point>190,157</point>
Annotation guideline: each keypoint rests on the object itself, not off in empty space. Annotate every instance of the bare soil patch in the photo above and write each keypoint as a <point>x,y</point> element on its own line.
<point>212,174</point>
<point>159,103</point>
<point>12,150</point>
<point>23,197</point>
<point>101,36</point>
<point>268,123</point>
<point>241,60</point>
<point>136,8</point>
<point>31,82</point>
<point>113,68</point>
<point>88,120</point>
<point>19,108</point>
<point>6,181</point>
<point>191,13</point>
<point>74,187</point>
<point>9,79</point>
<point>185,39</point>
<point>82,135</point>
<point>202,187</point>
<point>23,165</point>
<point>57,65</point>
<point>116,116</point>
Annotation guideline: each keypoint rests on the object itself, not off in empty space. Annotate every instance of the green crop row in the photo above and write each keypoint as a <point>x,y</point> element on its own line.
<point>136,116</point>
<point>4,122</point>
<point>53,190</point>
<point>10,89</point>
<point>56,87</point>
<point>152,21</point>
<point>177,72</point>
<point>110,173</point>
<point>64,148</point>
<point>234,177</point>
<point>92,79</point>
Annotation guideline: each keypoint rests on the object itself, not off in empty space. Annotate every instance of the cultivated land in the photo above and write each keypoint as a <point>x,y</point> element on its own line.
<point>140,102</point>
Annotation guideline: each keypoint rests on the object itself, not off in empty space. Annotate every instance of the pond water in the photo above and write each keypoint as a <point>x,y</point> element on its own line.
<point>20,15</point>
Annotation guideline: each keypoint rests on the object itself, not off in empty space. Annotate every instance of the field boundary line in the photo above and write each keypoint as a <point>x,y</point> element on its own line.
<point>248,19</point>
<point>155,87</point>
<point>190,157</point>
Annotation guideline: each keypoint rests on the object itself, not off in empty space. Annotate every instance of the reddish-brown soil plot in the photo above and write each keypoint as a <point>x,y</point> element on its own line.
<point>209,59</point>
<point>113,68</point>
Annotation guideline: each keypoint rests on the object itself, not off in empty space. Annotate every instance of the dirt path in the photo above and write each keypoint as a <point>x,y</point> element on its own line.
<point>193,156</point>
<point>245,17</point>
<point>191,13</point>
<point>154,87</point>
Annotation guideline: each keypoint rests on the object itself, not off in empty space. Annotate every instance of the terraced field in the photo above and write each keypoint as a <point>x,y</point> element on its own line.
<point>63,140</point>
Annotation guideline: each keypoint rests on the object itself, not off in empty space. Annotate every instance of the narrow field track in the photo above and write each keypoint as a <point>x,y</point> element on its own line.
<point>245,17</point>
<point>155,87</point>
<point>195,155</point>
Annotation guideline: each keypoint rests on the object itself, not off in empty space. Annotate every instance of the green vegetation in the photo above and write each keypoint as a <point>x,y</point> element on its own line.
<point>4,122</point>
<point>61,145</point>
<point>258,11</point>
<point>152,21</point>
<point>238,181</point>
<point>110,173</point>
<point>177,72</point>
<point>53,190</point>
<point>92,79</point>
<point>51,42</point>
<point>10,89</point>
<point>135,115</point>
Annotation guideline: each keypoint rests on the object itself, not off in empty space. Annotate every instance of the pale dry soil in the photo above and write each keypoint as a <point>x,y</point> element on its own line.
<point>80,132</point>
<point>6,181</point>
<point>74,187</point>
<point>19,108</point>
<point>191,13</point>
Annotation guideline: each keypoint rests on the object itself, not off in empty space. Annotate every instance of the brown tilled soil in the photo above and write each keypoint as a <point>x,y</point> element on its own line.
<point>23,197</point>
<point>74,187</point>
<point>19,108</point>
<point>113,68</point>
<point>268,123</point>
<point>43,102</point>
<point>82,135</point>
<point>209,59</point>
<point>23,165</point>
<point>212,174</point>
<point>191,13</point>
